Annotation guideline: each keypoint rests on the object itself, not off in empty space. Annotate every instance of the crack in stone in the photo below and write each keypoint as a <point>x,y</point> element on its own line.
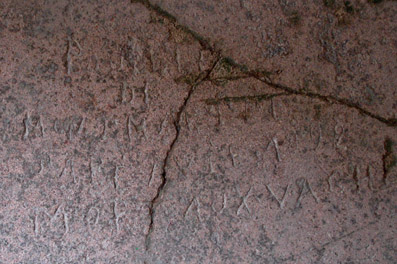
<point>205,44</point>
<point>258,74</point>
<point>203,76</point>
<point>236,99</point>
<point>392,122</point>
<point>331,100</point>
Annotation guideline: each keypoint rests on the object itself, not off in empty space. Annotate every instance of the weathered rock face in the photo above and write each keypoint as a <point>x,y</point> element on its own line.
<point>332,47</point>
<point>266,135</point>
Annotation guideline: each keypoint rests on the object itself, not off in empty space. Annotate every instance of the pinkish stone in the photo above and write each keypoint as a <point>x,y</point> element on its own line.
<point>197,132</point>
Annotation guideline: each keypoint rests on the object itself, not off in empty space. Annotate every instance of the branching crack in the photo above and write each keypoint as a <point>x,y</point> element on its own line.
<point>392,122</point>
<point>290,91</point>
<point>243,72</point>
<point>203,76</point>
<point>261,75</point>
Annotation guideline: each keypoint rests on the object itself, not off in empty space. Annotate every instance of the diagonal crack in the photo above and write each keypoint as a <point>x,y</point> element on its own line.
<point>291,91</point>
<point>245,72</point>
<point>258,74</point>
<point>203,76</point>
<point>332,100</point>
<point>263,77</point>
<point>205,44</point>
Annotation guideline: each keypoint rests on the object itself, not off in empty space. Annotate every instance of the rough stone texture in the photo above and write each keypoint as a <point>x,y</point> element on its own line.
<point>342,48</point>
<point>198,131</point>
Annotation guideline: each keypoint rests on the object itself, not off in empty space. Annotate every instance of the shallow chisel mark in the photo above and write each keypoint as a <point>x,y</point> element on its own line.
<point>66,222</point>
<point>56,124</point>
<point>41,126</point>
<point>329,180</point>
<point>233,156</point>
<point>319,136</point>
<point>244,203</point>
<point>188,208</point>
<point>211,166</point>
<point>26,122</point>
<point>69,56</point>
<point>58,211</point>
<point>355,177</point>
<point>152,174</point>
<point>329,176</point>
<point>104,131</point>
<point>224,205</point>
<point>116,177</point>
<point>146,93</point>
<point>282,201</point>
<point>305,188</point>
<point>70,131</point>
<point>81,126</point>
<point>132,90</point>
<point>36,224</point>
<point>339,130</point>
<point>123,92</point>
<point>93,170</point>
<point>41,167</point>
<point>163,124</point>
<point>72,171</point>
<point>69,53</point>
<point>97,214</point>
<point>63,172</point>
<point>117,215</point>
<point>277,148</point>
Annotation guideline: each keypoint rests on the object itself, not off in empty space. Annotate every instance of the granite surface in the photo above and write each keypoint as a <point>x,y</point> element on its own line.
<point>190,131</point>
